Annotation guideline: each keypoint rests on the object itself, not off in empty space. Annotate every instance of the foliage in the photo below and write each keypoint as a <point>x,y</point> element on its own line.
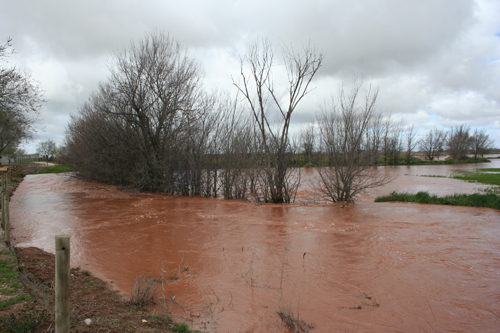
<point>488,200</point>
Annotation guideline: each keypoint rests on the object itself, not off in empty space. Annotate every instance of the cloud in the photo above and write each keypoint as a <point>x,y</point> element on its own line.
<point>435,62</point>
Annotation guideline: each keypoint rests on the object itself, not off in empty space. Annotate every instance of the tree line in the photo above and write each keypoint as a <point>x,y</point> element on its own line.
<point>151,125</point>
<point>154,127</point>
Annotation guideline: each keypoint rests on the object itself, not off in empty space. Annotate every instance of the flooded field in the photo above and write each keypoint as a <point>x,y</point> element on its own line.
<point>368,267</point>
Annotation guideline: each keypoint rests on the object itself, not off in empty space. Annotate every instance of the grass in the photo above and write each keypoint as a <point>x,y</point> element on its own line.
<point>182,328</point>
<point>26,321</point>
<point>435,176</point>
<point>488,200</point>
<point>489,170</point>
<point>57,169</point>
<point>9,277</point>
<point>11,289</point>
<point>479,177</point>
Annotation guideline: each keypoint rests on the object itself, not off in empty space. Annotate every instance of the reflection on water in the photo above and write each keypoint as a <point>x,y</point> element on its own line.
<point>370,267</point>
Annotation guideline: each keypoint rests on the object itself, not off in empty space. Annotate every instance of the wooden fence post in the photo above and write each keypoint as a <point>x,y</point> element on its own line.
<point>3,196</point>
<point>6,224</point>
<point>2,206</point>
<point>62,284</point>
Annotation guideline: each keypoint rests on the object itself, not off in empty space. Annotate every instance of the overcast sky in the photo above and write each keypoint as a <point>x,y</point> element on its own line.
<point>436,62</point>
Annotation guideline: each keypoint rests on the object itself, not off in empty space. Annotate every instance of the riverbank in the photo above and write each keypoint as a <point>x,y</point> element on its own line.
<point>27,295</point>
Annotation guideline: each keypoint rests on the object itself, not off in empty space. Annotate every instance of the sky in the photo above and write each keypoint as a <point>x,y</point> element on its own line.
<point>436,63</point>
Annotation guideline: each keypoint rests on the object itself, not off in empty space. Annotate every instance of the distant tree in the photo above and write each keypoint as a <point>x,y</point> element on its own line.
<point>263,97</point>
<point>458,142</point>
<point>47,149</point>
<point>433,143</point>
<point>411,143</point>
<point>21,100</point>
<point>307,142</point>
<point>347,129</point>
<point>392,140</point>
<point>480,142</point>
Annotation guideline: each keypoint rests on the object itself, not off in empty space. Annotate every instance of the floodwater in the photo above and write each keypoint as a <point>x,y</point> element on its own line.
<point>367,267</point>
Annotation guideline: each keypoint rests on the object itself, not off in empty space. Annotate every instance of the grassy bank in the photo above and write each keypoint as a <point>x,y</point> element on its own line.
<point>57,169</point>
<point>472,200</point>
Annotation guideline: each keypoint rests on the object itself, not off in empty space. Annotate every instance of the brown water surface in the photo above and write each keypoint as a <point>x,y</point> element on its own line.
<point>369,267</point>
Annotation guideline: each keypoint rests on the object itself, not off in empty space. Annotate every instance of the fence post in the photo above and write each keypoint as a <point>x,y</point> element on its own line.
<point>6,224</point>
<point>62,284</point>
<point>2,195</point>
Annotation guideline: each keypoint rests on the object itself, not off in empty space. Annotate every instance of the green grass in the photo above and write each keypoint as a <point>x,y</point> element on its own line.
<point>9,277</point>
<point>488,200</point>
<point>57,169</point>
<point>14,300</point>
<point>434,176</point>
<point>23,322</point>
<point>480,177</point>
<point>489,170</point>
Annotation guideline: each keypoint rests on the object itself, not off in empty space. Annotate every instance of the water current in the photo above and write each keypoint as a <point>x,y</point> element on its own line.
<point>232,265</point>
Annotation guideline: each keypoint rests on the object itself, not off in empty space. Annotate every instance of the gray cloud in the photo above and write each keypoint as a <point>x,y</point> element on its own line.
<point>436,62</point>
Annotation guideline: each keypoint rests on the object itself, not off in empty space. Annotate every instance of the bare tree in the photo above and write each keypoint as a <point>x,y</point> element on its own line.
<point>307,143</point>
<point>47,149</point>
<point>140,124</point>
<point>347,127</point>
<point>480,142</point>
<point>458,142</point>
<point>21,100</point>
<point>411,143</point>
<point>263,97</point>
<point>392,140</point>
<point>432,144</point>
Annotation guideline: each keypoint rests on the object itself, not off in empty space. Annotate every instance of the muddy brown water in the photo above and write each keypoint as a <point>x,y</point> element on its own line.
<point>369,267</point>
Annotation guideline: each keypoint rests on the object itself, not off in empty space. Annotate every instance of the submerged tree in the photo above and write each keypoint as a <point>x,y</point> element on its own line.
<point>432,144</point>
<point>134,129</point>
<point>480,142</point>
<point>263,97</point>
<point>349,127</point>
<point>458,142</point>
